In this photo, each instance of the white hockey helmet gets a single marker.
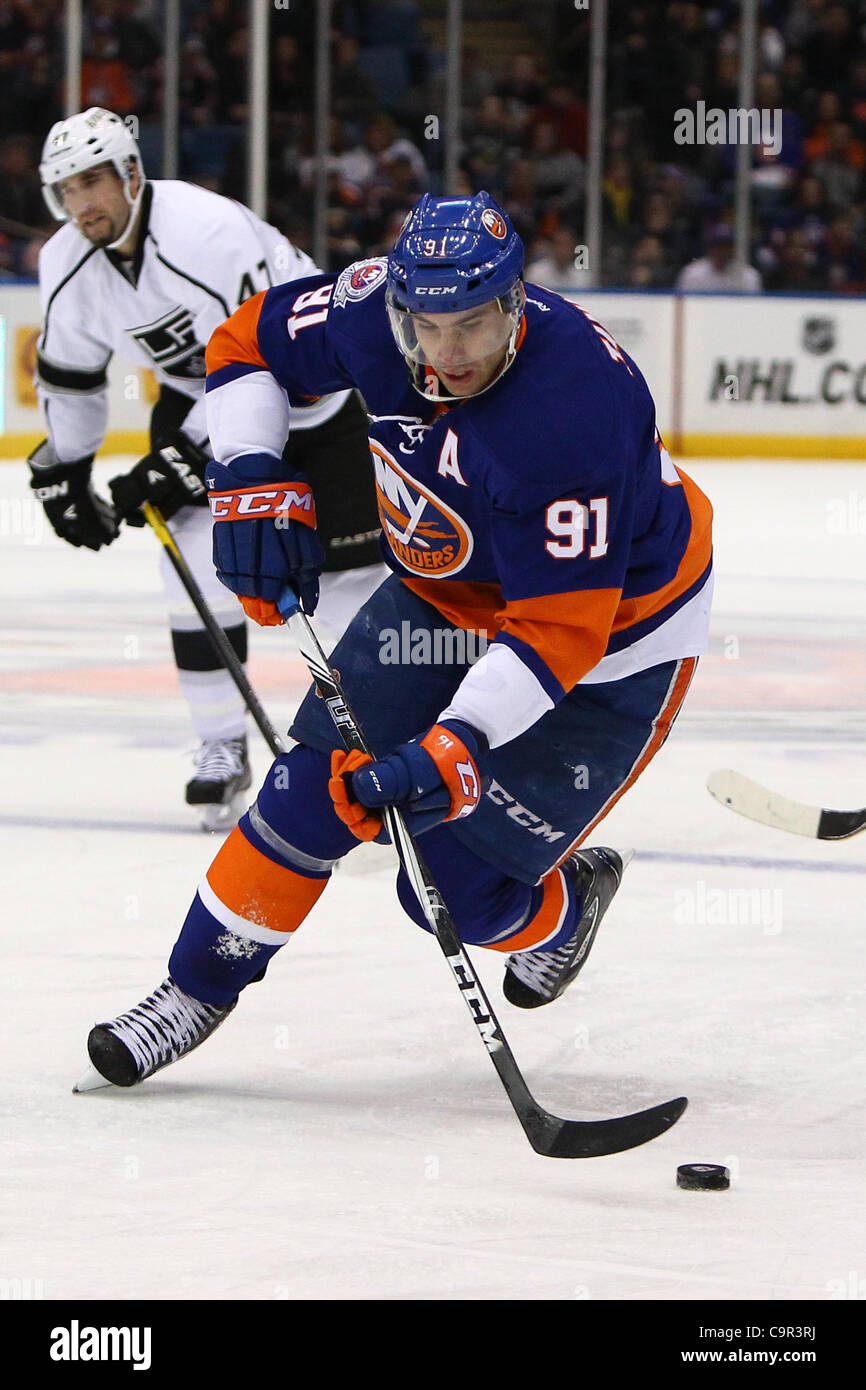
(95, 136)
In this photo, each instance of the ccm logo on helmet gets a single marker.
(494, 223)
(436, 289)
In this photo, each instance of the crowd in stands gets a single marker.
(668, 208)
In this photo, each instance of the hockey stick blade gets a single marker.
(548, 1134)
(556, 1138)
(739, 793)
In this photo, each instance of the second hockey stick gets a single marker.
(547, 1133)
(758, 803)
(223, 647)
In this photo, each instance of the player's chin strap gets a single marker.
(547, 1133)
(134, 205)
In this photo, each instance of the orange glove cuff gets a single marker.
(262, 611)
(363, 823)
(456, 767)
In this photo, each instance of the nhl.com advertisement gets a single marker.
(806, 363)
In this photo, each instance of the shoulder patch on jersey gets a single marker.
(360, 279)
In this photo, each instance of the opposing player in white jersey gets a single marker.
(148, 269)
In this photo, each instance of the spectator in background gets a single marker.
(829, 45)
(231, 66)
(488, 144)
(553, 261)
(841, 168)
(855, 96)
(662, 219)
(521, 198)
(20, 188)
(385, 143)
(353, 93)
(105, 78)
(792, 79)
(619, 194)
(353, 165)
(566, 114)
(522, 90)
(811, 210)
(649, 266)
(291, 86)
(775, 166)
(844, 267)
(199, 84)
(828, 112)
(559, 173)
(476, 82)
(394, 193)
(795, 266)
(717, 270)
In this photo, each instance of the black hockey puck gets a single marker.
(703, 1177)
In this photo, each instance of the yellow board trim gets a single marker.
(784, 446)
(805, 446)
(19, 445)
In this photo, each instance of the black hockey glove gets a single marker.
(77, 513)
(169, 478)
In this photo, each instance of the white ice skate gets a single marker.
(222, 775)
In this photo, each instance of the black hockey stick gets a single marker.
(224, 649)
(758, 803)
(547, 1133)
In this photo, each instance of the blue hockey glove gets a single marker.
(432, 779)
(264, 533)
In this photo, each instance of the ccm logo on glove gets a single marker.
(432, 779)
(293, 500)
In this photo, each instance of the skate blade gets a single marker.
(219, 818)
(90, 1081)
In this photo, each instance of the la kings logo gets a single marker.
(171, 344)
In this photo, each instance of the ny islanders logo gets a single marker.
(427, 537)
(494, 223)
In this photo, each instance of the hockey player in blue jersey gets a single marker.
(526, 499)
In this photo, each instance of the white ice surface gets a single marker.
(344, 1135)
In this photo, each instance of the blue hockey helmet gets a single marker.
(454, 255)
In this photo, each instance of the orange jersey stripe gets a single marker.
(545, 923)
(237, 340)
(463, 603)
(569, 631)
(697, 556)
(258, 890)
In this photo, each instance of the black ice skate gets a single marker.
(222, 773)
(163, 1028)
(533, 978)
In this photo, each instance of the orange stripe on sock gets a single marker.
(546, 921)
(258, 890)
(661, 729)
